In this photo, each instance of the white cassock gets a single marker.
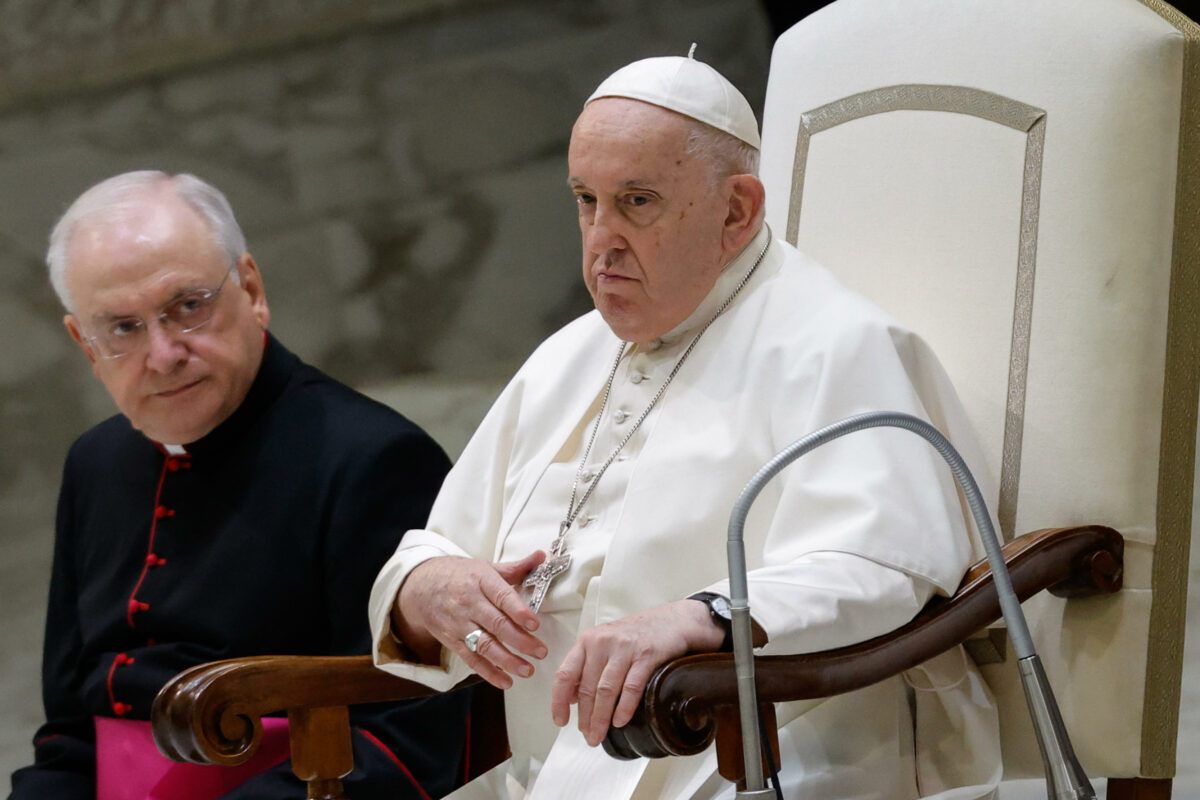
(847, 543)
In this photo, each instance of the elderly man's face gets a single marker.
(179, 386)
(651, 223)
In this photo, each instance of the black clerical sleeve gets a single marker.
(396, 494)
(64, 765)
(402, 750)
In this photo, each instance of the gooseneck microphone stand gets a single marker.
(1065, 778)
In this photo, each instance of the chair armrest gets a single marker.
(685, 697)
(212, 713)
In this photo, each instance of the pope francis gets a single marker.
(579, 542)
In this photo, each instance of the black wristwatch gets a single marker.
(719, 610)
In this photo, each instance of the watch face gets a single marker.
(720, 606)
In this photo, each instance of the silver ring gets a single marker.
(472, 639)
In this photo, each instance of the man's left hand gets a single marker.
(608, 668)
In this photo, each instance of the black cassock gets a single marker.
(264, 539)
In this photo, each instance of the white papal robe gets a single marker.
(847, 543)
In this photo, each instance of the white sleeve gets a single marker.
(835, 599)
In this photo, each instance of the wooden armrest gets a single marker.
(212, 713)
(688, 699)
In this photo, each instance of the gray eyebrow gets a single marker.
(108, 316)
(575, 182)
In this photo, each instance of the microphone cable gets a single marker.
(762, 731)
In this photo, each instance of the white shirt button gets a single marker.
(587, 475)
(653, 345)
(585, 521)
(620, 416)
(637, 377)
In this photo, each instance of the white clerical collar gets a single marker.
(726, 282)
(175, 449)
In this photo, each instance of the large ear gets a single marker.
(746, 198)
(252, 285)
(72, 326)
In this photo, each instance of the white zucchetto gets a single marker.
(688, 87)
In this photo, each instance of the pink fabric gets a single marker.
(129, 766)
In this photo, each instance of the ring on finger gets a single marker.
(472, 639)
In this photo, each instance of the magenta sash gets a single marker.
(129, 766)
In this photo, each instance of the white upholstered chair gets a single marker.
(1019, 181)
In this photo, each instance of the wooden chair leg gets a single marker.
(1139, 789)
(730, 763)
(325, 790)
(321, 749)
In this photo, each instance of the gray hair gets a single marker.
(725, 154)
(110, 199)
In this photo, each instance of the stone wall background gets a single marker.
(399, 167)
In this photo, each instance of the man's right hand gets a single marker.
(445, 598)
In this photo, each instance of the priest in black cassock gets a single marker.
(240, 504)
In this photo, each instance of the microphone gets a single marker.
(1065, 778)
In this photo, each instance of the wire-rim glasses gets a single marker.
(186, 313)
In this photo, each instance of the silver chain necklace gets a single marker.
(537, 582)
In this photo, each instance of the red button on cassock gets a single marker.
(135, 606)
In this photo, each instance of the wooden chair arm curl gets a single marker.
(212, 713)
(692, 700)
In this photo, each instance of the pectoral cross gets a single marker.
(537, 582)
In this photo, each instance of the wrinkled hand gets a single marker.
(610, 664)
(446, 598)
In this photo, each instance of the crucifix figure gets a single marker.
(537, 582)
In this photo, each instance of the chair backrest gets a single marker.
(1019, 181)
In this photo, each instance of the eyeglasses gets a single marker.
(185, 314)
